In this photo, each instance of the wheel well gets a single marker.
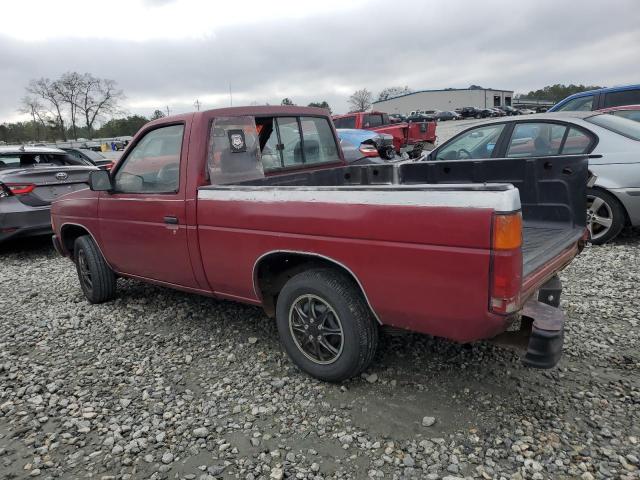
(69, 234)
(274, 270)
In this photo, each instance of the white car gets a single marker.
(613, 143)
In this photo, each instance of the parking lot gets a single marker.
(160, 384)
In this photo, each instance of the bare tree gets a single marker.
(46, 90)
(69, 88)
(97, 98)
(33, 107)
(361, 100)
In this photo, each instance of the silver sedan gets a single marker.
(613, 143)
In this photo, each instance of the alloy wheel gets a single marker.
(316, 329)
(599, 217)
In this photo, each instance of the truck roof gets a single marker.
(262, 110)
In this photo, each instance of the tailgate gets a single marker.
(552, 194)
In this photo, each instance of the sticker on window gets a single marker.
(237, 141)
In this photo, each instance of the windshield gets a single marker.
(616, 124)
(30, 160)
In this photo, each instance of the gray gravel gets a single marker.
(160, 384)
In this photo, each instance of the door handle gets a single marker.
(171, 220)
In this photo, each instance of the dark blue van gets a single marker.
(597, 99)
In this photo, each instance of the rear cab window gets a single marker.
(345, 122)
(246, 148)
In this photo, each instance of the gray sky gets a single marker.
(170, 52)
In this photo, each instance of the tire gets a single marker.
(337, 304)
(608, 218)
(97, 280)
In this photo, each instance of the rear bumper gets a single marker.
(19, 220)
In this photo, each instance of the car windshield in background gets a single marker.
(616, 124)
(30, 160)
(95, 156)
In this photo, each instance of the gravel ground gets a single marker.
(160, 384)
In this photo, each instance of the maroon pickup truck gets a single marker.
(410, 137)
(256, 205)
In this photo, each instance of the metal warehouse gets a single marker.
(446, 99)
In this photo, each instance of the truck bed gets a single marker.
(543, 243)
(552, 192)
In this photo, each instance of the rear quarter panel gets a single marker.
(422, 268)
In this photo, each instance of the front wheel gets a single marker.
(605, 216)
(97, 280)
(325, 325)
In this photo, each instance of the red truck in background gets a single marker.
(256, 205)
(410, 137)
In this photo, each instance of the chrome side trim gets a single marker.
(256, 290)
(450, 195)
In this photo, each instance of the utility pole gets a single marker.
(168, 111)
(197, 104)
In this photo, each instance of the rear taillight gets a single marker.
(506, 263)
(368, 150)
(20, 188)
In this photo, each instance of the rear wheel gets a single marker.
(325, 325)
(97, 280)
(605, 216)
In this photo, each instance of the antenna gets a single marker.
(168, 111)
(230, 96)
(197, 104)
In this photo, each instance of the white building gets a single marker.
(446, 99)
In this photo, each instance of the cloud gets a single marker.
(327, 55)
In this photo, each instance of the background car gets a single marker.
(362, 147)
(509, 110)
(447, 115)
(632, 112)
(599, 99)
(526, 111)
(30, 179)
(95, 146)
(95, 158)
(614, 142)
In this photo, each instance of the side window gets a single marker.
(153, 166)
(535, 140)
(582, 104)
(372, 120)
(346, 122)
(630, 114)
(476, 143)
(625, 97)
(319, 143)
(577, 142)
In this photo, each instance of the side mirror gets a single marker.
(100, 181)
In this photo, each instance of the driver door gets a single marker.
(142, 221)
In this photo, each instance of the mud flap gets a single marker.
(547, 334)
